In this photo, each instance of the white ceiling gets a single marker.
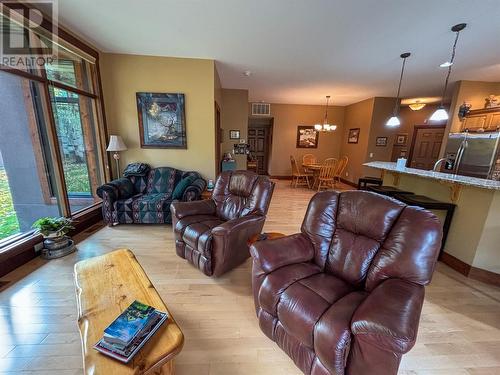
(301, 50)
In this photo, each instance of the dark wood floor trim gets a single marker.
(350, 183)
(281, 177)
(485, 276)
(455, 263)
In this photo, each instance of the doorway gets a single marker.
(425, 146)
(259, 141)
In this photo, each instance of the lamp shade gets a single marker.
(393, 121)
(116, 143)
(439, 115)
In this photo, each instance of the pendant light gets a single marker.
(325, 127)
(440, 114)
(394, 120)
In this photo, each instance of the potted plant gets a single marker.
(54, 231)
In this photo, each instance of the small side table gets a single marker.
(264, 236)
(206, 194)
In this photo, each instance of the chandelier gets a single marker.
(325, 126)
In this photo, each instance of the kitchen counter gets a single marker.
(447, 177)
(472, 243)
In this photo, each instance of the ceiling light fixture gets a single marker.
(325, 127)
(417, 106)
(440, 114)
(394, 120)
(247, 73)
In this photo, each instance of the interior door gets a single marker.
(258, 139)
(425, 147)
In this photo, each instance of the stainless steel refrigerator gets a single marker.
(472, 154)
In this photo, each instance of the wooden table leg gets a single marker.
(167, 369)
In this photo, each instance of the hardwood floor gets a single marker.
(459, 330)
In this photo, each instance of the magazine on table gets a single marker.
(124, 337)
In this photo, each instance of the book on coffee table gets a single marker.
(124, 337)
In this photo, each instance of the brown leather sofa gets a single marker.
(212, 234)
(344, 296)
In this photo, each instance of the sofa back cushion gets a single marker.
(162, 180)
(410, 250)
(241, 193)
(365, 238)
(363, 222)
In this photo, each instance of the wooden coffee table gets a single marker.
(105, 286)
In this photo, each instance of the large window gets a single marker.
(52, 140)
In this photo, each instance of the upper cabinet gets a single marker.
(482, 119)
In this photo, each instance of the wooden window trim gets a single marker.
(22, 245)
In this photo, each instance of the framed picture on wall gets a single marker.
(234, 134)
(353, 135)
(307, 137)
(401, 139)
(162, 121)
(381, 141)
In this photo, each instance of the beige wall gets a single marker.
(124, 75)
(488, 251)
(286, 119)
(234, 117)
(357, 115)
(382, 109)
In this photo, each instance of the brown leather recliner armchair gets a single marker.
(344, 296)
(212, 234)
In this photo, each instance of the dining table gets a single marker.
(314, 168)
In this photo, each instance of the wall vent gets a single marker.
(261, 109)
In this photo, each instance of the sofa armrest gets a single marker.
(280, 252)
(121, 188)
(194, 190)
(388, 318)
(229, 247)
(183, 209)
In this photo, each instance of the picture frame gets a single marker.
(381, 141)
(307, 137)
(353, 136)
(162, 120)
(401, 139)
(234, 134)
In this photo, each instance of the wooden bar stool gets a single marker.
(431, 204)
(390, 191)
(364, 181)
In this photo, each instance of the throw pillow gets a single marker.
(181, 186)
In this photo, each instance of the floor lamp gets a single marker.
(115, 145)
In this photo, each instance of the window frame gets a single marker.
(103, 159)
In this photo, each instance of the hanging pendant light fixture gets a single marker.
(440, 114)
(394, 120)
(325, 126)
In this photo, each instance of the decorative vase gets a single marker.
(57, 247)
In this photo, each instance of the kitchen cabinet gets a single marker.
(482, 119)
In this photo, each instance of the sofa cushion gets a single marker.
(277, 281)
(154, 202)
(304, 302)
(196, 231)
(181, 186)
(162, 180)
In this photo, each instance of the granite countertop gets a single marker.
(463, 180)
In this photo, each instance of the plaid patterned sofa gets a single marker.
(146, 199)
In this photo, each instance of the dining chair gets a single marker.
(298, 177)
(327, 173)
(341, 166)
(308, 159)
